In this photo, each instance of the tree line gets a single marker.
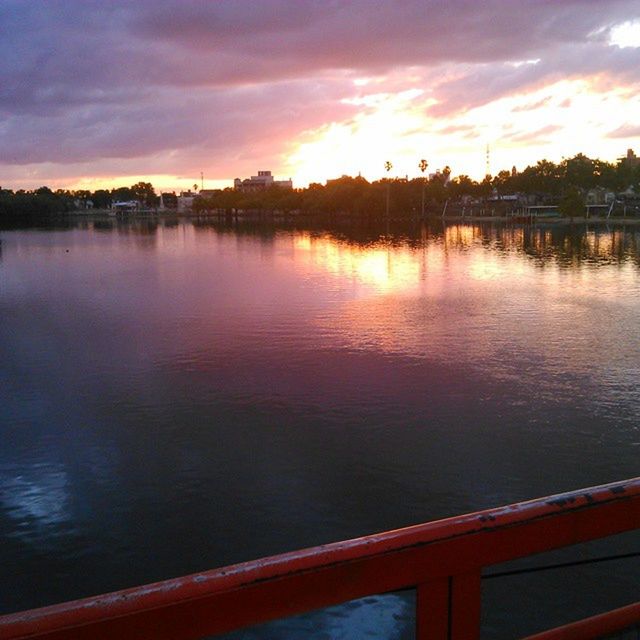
(566, 181)
(558, 183)
(44, 201)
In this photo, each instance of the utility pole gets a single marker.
(201, 180)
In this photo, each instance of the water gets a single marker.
(180, 396)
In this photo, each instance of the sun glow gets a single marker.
(548, 122)
(161, 182)
(362, 145)
(626, 34)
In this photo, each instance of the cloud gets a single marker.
(220, 122)
(485, 83)
(365, 35)
(457, 128)
(626, 131)
(532, 106)
(57, 53)
(85, 81)
(536, 136)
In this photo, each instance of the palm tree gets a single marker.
(422, 165)
(388, 166)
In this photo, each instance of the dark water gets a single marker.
(181, 396)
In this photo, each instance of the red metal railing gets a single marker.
(442, 560)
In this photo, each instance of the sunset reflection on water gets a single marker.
(380, 268)
(169, 387)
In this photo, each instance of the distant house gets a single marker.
(629, 195)
(599, 196)
(185, 200)
(168, 201)
(125, 206)
(503, 197)
(262, 181)
(631, 159)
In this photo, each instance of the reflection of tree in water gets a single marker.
(362, 233)
(143, 232)
(567, 245)
(141, 227)
(563, 244)
(103, 225)
(266, 232)
(61, 223)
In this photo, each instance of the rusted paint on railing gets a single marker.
(430, 555)
(595, 627)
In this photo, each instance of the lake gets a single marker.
(180, 395)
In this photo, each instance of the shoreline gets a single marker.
(582, 221)
(546, 221)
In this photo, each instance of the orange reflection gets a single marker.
(467, 289)
(379, 268)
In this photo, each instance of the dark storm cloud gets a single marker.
(168, 121)
(373, 35)
(84, 80)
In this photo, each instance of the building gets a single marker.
(125, 206)
(262, 181)
(631, 159)
(185, 200)
(599, 196)
(81, 203)
(168, 201)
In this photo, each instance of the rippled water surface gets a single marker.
(180, 396)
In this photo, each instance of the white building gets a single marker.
(125, 206)
(185, 201)
(262, 181)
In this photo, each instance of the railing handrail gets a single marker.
(423, 556)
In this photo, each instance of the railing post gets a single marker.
(449, 608)
(432, 610)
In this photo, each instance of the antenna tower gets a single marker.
(488, 162)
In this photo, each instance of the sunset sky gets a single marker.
(102, 93)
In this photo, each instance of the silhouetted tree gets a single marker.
(101, 199)
(145, 193)
(572, 203)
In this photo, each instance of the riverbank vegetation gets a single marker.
(568, 184)
(45, 202)
(573, 182)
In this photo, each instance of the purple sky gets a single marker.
(104, 92)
